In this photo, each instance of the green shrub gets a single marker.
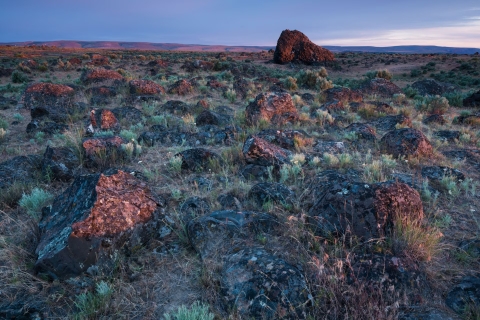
(290, 83)
(231, 95)
(19, 77)
(35, 201)
(309, 78)
(455, 99)
(197, 311)
(385, 74)
(432, 105)
(128, 135)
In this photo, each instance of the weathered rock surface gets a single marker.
(468, 119)
(101, 75)
(47, 127)
(435, 118)
(295, 46)
(103, 119)
(277, 108)
(101, 95)
(128, 115)
(145, 88)
(288, 139)
(213, 118)
(439, 172)
(21, 169)
(343, 94)
(177, 107)
(470, 156)
(388, 123)
(260, 152)
(199, 159)
(102, 152)
(265, 192)
(464, 295)
(473, 100)
(381, 87)
(95, 216)
(181, 87)
(406, 142)
(59, 163)
(362, 130)
(448, 135)
(431, 87)
(340, 204)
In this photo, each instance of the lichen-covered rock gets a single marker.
(464, 295)
(48, 127)
(473, 100)
(103, 119)
(431, 87)
(177, 107)
(212, 118)
(343, 94)
(362, 131)
(254, 172)
(381, 87)
(59, 163)
(101, 75)
(182, 87)
(101, 95)
(339, 204)
(145, 88)
(288, 139)
(439, 172)
(406, 142)
(277, 108)
(102, 152)
(23, 169)
(448, 135)
(470, 156)
(194, 207)
(334, 147)
(295, 46)
(93, 218)
(99, 60)
(265, 192)
(260, 152)
(53, 101)
(435, 118)
(388, 123)
(199, 159)
(128, 115)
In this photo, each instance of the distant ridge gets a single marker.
(221, 48)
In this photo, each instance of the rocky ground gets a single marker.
(136, 182)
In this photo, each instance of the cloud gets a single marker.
(465, 34)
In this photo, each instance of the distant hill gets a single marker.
(221, 48)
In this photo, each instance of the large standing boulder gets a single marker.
(277, 108)
(95, 216)
(340, 204)
(473, 100)
(260, 152)
(406, 142)
(295, 46)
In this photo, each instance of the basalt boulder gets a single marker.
(59, 163)
(145, 88)
(260, 152)
(199, 159)
(103, 152)
(212, 118)
(473, 100)
(435, 118)
(101, 95)
(264, 192)
(447, 135)
(362, 131)
(339, 204)
(182, 87)
(98, 216)
(406, 142)
(388, 123)
(381, 87)
(23, 169)
(295, 46)
(277, 108)
(103, 119)
(288, 139)
(343, 94)
(103, 76)
(465, 295)
(431, 87)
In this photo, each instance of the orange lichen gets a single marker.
(50, 89)
(122, 203)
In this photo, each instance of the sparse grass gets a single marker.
(197, 311)
(93, 305)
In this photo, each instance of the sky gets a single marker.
(244, 22)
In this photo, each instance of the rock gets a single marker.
(260, 152)
(104, 119)
(343, 94)
(381, 87)
(96, 216)
(25, 307)
(388, 123)
(406, 142)
(288, 139)
(194, 207)
(333, 147)
(59, 163)
(103, 152)
(265, 192)
(54, 101)
(470, 156)
(339, 204)
(431, 87)
(6, 103)
(448, 135)
(473, 100)
(439, 172)
(229, 202)
(177, 107)
(464, 295)
(333, 105)
(435, 118)
(169, 138)
(5, 72)
(99, 60)
(22, 169)
(295, 46)
(181, 87)
(215, 84)
(145, 88)
(362, 130)
(254, 172)
(240, 85)
(191, 66)
(100, 75)
(213, 118)
(75, 61)
(128, 115)
(101, 95)
(308, 97)
(277, 108)
(468, 119)
(260, 285)
(199, 159)
(47, 127)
